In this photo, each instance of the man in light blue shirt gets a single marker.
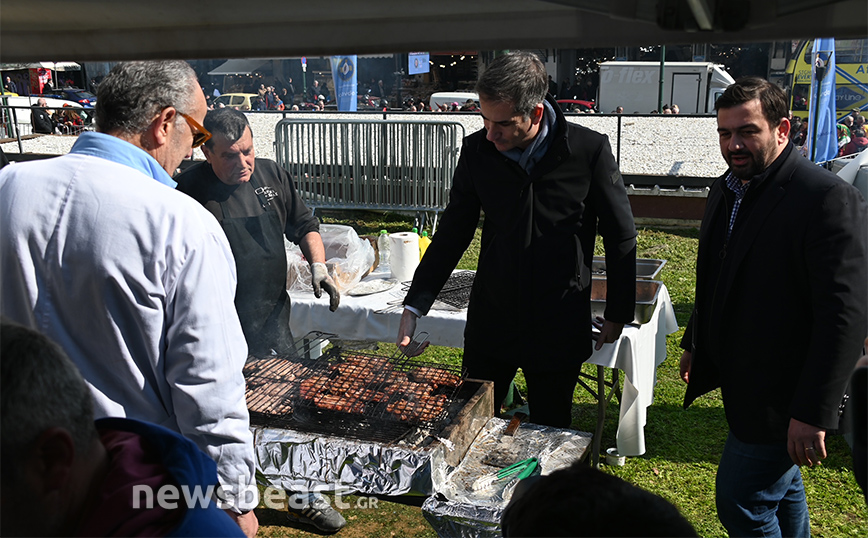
(134, 280)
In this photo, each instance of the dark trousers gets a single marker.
(760, 491)
(549, 394)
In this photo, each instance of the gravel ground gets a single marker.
(650, 145)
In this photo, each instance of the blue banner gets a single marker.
(822, 114)
(346, 82)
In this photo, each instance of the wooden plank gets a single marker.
(470, 420)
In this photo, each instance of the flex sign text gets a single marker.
(630, 75)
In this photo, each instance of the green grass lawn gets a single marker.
(683, 446)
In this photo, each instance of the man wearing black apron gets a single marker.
(257, 205)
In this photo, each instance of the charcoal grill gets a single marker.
(456, 290)
(359, 395)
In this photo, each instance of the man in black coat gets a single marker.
(289, 94)
(313, 92)
(545, 186)
(40, 119)
(780, 312)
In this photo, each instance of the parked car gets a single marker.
(576, 105)
(241, 101)
(82, 97)
(447, 98)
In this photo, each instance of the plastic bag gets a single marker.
(349, 258)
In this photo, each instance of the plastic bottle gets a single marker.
(424, 241)
(383, 247)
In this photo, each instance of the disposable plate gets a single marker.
(368, 287)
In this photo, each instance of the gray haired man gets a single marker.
(40, 118)
(134, 280)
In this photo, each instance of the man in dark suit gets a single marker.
(780, 312)
(40, 119)
(546, 186)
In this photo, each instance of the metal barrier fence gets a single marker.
(15, 121)
(9, 126)
(370, 164)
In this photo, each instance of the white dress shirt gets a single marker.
(136, 282)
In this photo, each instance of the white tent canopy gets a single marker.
(238, 67)
(60, 66)
(54, 66)
(131, 29)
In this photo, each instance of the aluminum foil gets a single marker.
(462, 508)
(299, 461)
(554, 447)
(460, 520)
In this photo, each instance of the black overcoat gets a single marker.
(531, 296)
(780, 311)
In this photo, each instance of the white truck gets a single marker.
(693, 86)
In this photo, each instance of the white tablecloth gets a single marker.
(638, 352)
(357, 317)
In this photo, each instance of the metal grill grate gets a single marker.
(458, 298)
(351, 394)
(456, 290)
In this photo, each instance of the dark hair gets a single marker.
(519, 78)
(583, 501)
(228, 122)
(134, 92)
(40, 388)
(772, 99)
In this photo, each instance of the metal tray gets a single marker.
(647, 293)
(646, 268)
